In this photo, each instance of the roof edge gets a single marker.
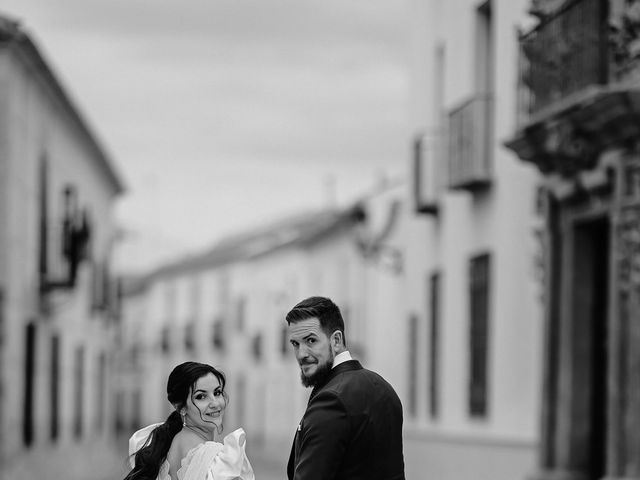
(12, 34)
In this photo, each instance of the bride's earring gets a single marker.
(184, 419)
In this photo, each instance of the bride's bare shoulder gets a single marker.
(180, 446)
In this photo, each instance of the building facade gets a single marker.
(579, 111)
(57, 188)
(227, 307)
(474, 280)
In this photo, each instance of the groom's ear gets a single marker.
(337, 341)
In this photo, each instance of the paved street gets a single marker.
(103, 461)
(269, 463)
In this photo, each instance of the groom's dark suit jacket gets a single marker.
(351, 430)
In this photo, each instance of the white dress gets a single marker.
(206, 461)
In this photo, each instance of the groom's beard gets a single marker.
(321, 374)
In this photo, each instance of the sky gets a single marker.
(223, 115)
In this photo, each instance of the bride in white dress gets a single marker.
(184, 447)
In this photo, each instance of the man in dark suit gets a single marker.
(352, 428)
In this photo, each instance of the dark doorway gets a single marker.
(590, 305)
(28, 429)
(54, 388)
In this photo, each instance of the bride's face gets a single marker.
(206, 403)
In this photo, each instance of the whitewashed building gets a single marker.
(57, 188)
(475, 293)
(227, 307)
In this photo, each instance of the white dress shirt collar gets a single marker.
(341, 358)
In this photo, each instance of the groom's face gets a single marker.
(312, 348)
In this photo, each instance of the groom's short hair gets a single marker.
(322, 308)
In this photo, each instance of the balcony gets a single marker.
(563, 55)
(427, 160)
(576, 92)
(470, 134)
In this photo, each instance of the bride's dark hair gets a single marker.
(181, 381)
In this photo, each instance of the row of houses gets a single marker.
(498, 289)
(227, 306)
(57, 296)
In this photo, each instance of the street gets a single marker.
(106, 462)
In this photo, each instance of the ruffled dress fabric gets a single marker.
(206, 461)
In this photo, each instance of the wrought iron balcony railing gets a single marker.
(567, 52)
(578, 89)
(470, 139)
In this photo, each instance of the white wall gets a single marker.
(35, 124)
(498, 221)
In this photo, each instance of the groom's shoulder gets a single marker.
(365, 380)
(358, 378)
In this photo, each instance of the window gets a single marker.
(241, 308)
(170, 299)
(224, 289)
(479, 288)
(135, 351)
(284, 340)
(256, 346)
(218, 333)
(78, 411)
(241, 393)
(484, 48)
(43, 261)
(425, 158)
(196, 296)
(100, 282)
(434, 343)
(440, 70)
(136, 410)
(119, 422)
(101, 386)
(117, 300)
(190, 337)
(413, 365)
(165, 340)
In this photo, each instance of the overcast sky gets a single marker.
(223, 114)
